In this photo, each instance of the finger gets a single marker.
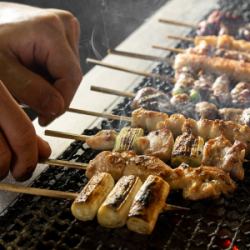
(20, 135)
(65, 68)
(72, 29)
(32, 89)
(5, 157)
(44, 149)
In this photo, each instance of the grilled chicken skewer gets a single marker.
(178, 124)
(235, 70)
(223, 41)
(187, 148)
(205, 49)
(217, 23)
(203, 109)
(196, 183)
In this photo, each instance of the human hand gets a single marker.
(39, 57)
(20, 147)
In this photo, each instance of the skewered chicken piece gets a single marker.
(245, 117)
(235, 70)
(221, 153)
(231, 114)
(206, 110)
(202, 182)
(196, 183)
(151, 97)
(147, 205)
(221, 90)
(241, 94)
(157, 143)
(114, 210)
(103, 140)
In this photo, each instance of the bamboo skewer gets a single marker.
(100, 114)
(14, 188)
(68, 164)
(66, 135)
(112, 91)
(183, 38)
(139, 56)
(132, 71)
(178, 23)
(175, 50)
(37, 191)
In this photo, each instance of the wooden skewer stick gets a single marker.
(100, 114)
(112, 91)
(66, 135)
(183, 38)
(139, 56)
(37, 191)
(68, 164)
(61, 194)
(178, 23)
(175, 50)
(132, 71)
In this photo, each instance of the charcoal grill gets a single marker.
(43, 223)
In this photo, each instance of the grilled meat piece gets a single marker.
(174, 123)
(221, 153)
(103, 140)
(188, 149)
(202, 182)
(158, 143)
(146, 119)
(87, 203)
(203, 85)
(147, 205)
(184, 81)
(206, 110)
(245, 117)
(219, 23)
(127, 163)
(221, 90)
(241, 94)
(151, 97)
(109, 162)
(230, 114)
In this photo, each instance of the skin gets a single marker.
(39, 66)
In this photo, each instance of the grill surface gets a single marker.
(43, 223)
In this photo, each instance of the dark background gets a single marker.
(104, 23)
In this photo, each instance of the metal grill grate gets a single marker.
(43, 223)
